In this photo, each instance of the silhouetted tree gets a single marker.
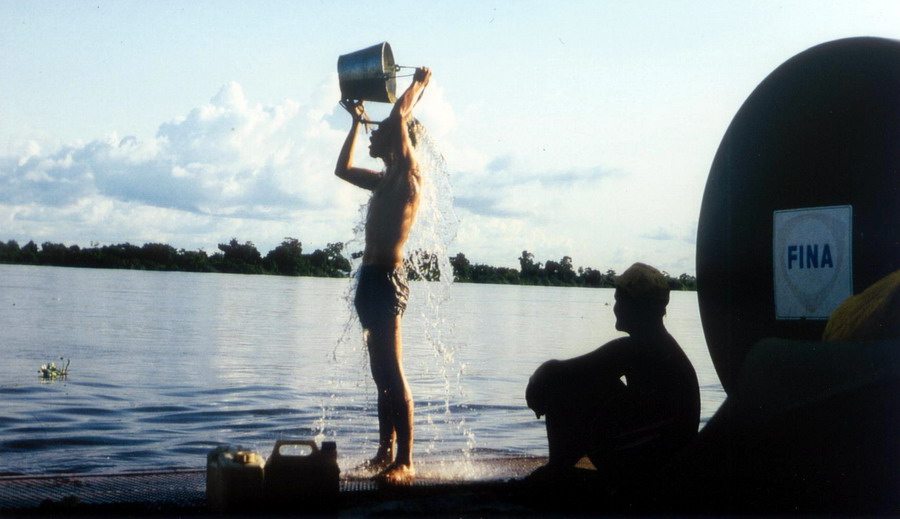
(53, 254)
(194, 261)
(336, 259)
(29, 252)
(158, 256)
(462, 268)
(9, 252)
(591, 278)
(287, 257)
(530, 271)
(609, 279)
(423, 265)
(687, 282)
(241, 258)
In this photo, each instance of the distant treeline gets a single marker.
(288, 259)
(549, 273)
(234, 257)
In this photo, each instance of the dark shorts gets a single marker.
(381, 294)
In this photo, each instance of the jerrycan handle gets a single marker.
(276, 451)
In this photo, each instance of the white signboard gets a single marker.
(813, 255)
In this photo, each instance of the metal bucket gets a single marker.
(368, 74)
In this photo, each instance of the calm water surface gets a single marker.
(164, 366)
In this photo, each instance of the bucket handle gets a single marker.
(276, 451)
(397, 68)
(369, 122)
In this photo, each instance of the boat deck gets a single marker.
(439, 487)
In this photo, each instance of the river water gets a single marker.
(166, 365)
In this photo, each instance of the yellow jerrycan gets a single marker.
(234, 479)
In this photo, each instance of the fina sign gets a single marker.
(813, 255)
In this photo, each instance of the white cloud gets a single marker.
(226, 159)
(235, 168)
(435, 111)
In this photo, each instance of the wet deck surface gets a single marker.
(439, 488)
(154, 490)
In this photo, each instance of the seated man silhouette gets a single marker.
(629, 405)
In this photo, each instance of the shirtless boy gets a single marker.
(382, 289)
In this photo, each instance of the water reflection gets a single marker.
(166, 365)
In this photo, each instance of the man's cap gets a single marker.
(645, 283)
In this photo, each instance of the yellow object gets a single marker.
(871, 315)
(234, 480)
(645, 283)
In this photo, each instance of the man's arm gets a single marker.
(603, 366)
(361, 177)
(401, 113)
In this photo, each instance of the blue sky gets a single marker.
(584, 129)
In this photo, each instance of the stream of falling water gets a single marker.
(428, 252)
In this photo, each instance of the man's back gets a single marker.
(663, 395)
(663, 380)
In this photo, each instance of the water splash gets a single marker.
(431, 276)
(429, 258)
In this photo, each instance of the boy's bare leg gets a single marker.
(376, 343)
(395, 404)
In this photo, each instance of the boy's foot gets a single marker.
(375, 465)
(397, 474)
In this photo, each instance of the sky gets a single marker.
(580, 129)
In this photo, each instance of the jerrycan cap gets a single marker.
(247, 458)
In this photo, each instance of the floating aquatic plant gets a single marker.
(51, 371)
